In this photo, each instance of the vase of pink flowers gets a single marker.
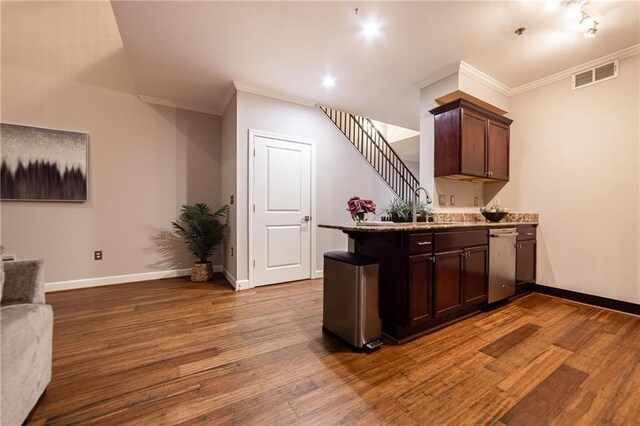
(359, 208)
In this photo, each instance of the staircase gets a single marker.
(364, 136)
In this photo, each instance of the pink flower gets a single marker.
(356, 205)
(353, 205)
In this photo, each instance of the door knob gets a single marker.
(306, 218)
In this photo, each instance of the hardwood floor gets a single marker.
(173, 352)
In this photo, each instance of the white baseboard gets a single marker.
(243, 285)
(120, 279)
(237, 284)
(318, 274)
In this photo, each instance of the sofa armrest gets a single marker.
(23, 282)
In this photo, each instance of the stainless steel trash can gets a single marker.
(350, 300)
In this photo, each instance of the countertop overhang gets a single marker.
(424, 226)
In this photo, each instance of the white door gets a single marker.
(281, 230)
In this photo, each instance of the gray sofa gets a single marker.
(26, 326)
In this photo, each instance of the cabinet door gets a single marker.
(474, 147)
(475, 278)
(497, 151)
(448, 282)
(526, 262)
(420, 284)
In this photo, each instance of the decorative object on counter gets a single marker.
(401, 211)
(494, 213)
(203, 232)
(359, 208)
(43, 164)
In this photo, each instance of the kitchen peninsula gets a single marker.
(435, 273)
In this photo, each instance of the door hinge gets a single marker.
(254, 152)
(254, 263)
(433, 259)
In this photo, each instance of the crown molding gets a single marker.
(439, 75)
(247, 88)
(232, 92)
(477, 75)
(620, 54)
(178, 105)
(483, 78)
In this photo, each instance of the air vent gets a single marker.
(595, 75)
(582, 79)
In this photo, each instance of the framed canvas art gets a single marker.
(42, 164)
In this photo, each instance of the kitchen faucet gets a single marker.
(416, 197)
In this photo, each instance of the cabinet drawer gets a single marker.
(450, 240)
(526, 233)
(420, 243)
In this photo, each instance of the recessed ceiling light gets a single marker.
(328, 81)
(371, 29)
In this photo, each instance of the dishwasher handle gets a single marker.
(511, 235)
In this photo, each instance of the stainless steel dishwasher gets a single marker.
(350, 301)
(502, 263)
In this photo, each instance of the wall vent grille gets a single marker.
(595, 75)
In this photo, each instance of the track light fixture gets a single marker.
(575, 9)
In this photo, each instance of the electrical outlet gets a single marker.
(442, 200)
(97, 255)
(231, 200)
(452, 200)
(475, 201)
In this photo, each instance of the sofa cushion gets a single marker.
(26, 334)
(24, 282)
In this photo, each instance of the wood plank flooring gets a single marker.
(173, 352)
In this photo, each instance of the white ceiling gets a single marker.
(190, 52)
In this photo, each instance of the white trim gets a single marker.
(477, 75)
(439, 75)
(483, 78)
(178, 105)
(295, 139)
(243, 87)
(620, 54)
(225, 105)
(243, 285)
(235, 283)
(319, 274)
(120, 279)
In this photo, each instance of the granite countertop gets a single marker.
(443, 221)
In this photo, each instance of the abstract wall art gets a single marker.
(42, 164)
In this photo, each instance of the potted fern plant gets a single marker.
(203, 232)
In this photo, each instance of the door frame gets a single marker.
(253, 133)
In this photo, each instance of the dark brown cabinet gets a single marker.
(470, 142)
(432, 277)
(525, 258)
(420, 288)
(447, 282)
(476, 268)
(526, 262)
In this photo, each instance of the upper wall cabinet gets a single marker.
(471, 143)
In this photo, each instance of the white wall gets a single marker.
(229, 181)
(575, 159)
(341, 171)
(63, 67)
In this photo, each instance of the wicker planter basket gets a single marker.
(202, 272)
